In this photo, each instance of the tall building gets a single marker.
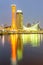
(13, 25)
(19, 19)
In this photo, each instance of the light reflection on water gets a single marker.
(21, 49)
(13, 48)
(3, 40)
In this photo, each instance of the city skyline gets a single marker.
(32, 11)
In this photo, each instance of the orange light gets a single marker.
(14, 46)
(13, 26)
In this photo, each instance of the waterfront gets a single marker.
(29, 49)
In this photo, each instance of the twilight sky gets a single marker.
(32, 10)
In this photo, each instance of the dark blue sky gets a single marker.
(32, 10)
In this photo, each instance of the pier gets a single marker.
(21, 32)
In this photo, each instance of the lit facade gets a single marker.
(32, 28)
(13, 25)
(19, 19)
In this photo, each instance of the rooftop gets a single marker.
(13, 5)
(19, 11)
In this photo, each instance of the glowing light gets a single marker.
(33, 39)
(34, 27)
(17, 47)
(3, 40)
(13, 26)
(14, 46)
(19, 11)
(26, 38)
(19, 54)
(20, 47)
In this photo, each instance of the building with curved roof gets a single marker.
(32, 28)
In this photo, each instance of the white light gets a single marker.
(19, 10)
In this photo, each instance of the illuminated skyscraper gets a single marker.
(13, 25)
(19, 19)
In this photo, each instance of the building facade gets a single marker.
(19, 19)
(13, 24)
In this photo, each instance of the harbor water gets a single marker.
(21, 49)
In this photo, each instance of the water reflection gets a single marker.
(23, 46)
(32, 39)
(3, 40)
(13, 48)
(17, 42)
(20, 47)
(17, 48)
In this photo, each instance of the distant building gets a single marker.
(35, 27)
(1, 27)
(28, 25)
(19, 19)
